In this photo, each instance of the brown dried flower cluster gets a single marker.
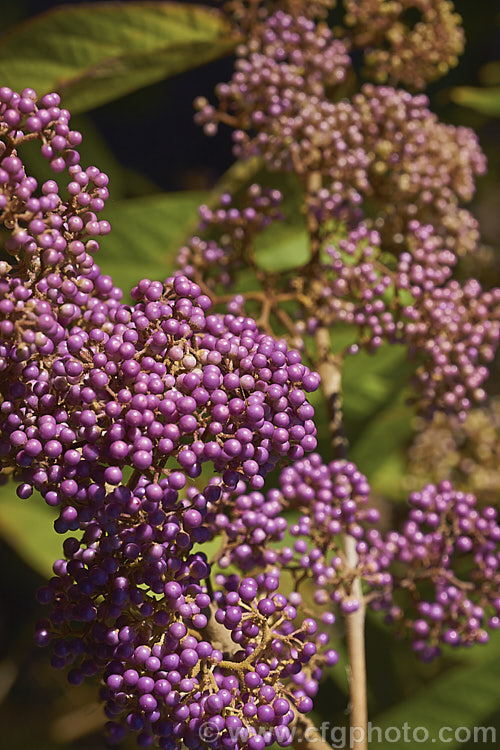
(467, 452)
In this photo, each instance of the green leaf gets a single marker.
(486, 101)
(146, 234)
(371, 382)
(378, 421)
(285, 244)
(282, 247)
(463, 697)
(92, 54)
(28, 527)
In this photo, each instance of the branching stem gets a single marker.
(329, 367)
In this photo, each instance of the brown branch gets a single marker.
(314, 182)
(355, 630)
(250, 660)
(331, 382)
(216, 634)
(328, 367)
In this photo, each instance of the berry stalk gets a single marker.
(331, 383)
(355, 631)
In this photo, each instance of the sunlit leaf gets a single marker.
(92, 54)
(464, 697)
(378, 421)
(28, 527)
(146, 234)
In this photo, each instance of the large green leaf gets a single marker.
(486, 101)
(463, 697)
(92, 54)
(28, 527)
(378, 420)
(146, 234)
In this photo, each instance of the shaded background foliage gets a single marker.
(137, 125)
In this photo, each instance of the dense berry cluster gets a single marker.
(179, 664)
(451, 329)
(326, 501)
(420, 169)
(250, 525)
(382, 152)
(396, 50)
(45, 228)
(110, 410)
(277, 102)
(457, 329)
(349, 287)
(156, 383)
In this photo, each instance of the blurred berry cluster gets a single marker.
(152, 427)
(450, 329)
(384, 182)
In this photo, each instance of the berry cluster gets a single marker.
(413, 55)
(44, 228)
(277, 102)
(326, 501)
(174, 658)
(436, 579)
(446, 559)
(250, 525)
(156, 383)
(333, 503)
(217, 259)
(350, 288)
(452, 330)
(110, 411)
(419, 168)
(382, 153)
(457, 329)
